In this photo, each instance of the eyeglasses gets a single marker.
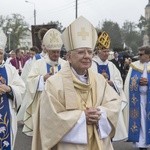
(140, 54)
(83, 52)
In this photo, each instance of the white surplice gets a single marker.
(18, 88)
(35, 86)
(115, 77)
(143, 96)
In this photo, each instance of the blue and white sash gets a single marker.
(5, 133)
(49, 67)
(103, 68)
(135, 109)
(37, 56)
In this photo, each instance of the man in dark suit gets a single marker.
(118, 63)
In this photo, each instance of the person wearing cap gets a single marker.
(72, 109)
(11, 89)
(103, 66)
(40, 71)
(137, 90)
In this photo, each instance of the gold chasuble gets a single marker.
(64, 100)
(86, 97)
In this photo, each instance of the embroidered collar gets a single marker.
(49, 61)
(99, 61)
(140, 66)
(82, 78)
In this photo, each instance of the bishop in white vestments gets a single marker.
(41, 70)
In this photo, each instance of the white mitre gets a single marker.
(52, 39)
(81, 33)
(3, 40)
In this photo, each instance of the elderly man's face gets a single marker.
(103, 54)
(53, 54)
(1, 56)
(80, 59)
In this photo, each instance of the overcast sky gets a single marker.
(64, 10)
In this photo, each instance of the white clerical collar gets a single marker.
(82, 78)
(42, 54)
(99, 61)
(49, 61)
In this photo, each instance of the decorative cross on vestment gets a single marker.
(83, 34)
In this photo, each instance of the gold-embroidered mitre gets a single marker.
(80, 33)
(52, 40)
(103, 41)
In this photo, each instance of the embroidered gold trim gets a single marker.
(134, 127)
(134, 114)
(134, 84)
(140, 70)
(134, 100)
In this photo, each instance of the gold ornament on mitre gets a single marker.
(52, 40)
(103, 41)
(79, 34)
(3, 40)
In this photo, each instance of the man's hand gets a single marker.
(92, 115)
(110, 82)
(143, 81)
(4, 89)
(47, 76)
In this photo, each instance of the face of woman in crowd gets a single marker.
(80, 59)
(1, 56)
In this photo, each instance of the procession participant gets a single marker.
(119, 63)
(12, 55)
(19, 61)
(102, 65)
(138, 94)
(41, 70)
(27, 67)
(73, 114)
(25, 71)
(11, 89)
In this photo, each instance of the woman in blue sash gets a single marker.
(137, 89)
(11, 89)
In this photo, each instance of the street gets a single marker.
(23, 142)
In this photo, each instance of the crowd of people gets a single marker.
(84, 102)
